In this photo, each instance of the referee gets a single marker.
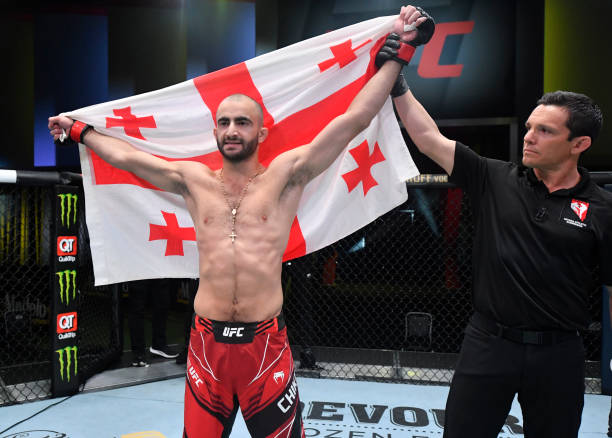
(541, 230)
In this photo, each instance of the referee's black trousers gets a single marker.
(549, 381)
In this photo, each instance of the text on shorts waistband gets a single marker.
(237, 332)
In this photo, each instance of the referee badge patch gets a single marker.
(578, 214)
(580, 208)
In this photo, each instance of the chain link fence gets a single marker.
(26, 287)
(390, 302)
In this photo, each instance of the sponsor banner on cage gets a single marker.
(65, 287)
(301, 88)
(66, 360)
(66, 325)
(66, 248)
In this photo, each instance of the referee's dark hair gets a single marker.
(585, 117)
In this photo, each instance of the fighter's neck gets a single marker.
(243, 169)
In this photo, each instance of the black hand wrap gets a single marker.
(401, 51)
(400, 87)
(395, 49)
(425, 30)
(388, 50)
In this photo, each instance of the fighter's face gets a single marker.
(238, 130)
(546, 145)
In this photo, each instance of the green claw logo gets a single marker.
(67, 284)
(68, 205)
(69, 352)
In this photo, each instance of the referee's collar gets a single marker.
(584, 181)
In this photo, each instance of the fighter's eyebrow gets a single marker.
(236, 119)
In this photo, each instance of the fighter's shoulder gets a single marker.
(285, 173)
(283, 163)
(191, 166)
(193, 172)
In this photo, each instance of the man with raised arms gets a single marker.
(239, 353)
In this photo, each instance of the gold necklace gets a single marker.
(234, 209)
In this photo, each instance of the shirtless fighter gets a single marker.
(239, 354)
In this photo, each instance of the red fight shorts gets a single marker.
(250, 365)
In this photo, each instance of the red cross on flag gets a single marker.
(138, 231)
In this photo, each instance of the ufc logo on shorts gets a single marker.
(66, 322)
(194, 376)
(228, 332)
(66, 245)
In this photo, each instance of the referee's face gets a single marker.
(546, 145)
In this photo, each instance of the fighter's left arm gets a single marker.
(312, 159)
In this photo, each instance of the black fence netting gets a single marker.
(391, 301)
(27, 323)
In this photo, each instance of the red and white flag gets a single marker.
(138, 231)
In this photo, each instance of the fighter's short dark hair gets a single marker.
(584, 116)
(239, 96)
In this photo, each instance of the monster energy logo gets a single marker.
(69, 352)
(67, 284)
(68, 206)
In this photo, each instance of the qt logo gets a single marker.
(67, 322)
(66, 245)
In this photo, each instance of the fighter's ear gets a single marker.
(263, 134)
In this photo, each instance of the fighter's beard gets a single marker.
(248, 149)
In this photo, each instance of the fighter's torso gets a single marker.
(240, 276)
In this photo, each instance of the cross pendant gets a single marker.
(233, 236)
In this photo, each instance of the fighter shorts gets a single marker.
(232, 364)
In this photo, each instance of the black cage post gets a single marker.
(65, 287)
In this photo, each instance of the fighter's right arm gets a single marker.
(424, 132)
(164, 174)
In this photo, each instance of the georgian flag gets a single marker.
(138, 231)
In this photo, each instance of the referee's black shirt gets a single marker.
(535, 252)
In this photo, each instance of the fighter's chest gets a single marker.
(254, 211)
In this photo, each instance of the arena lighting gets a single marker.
(358, 246)
(410, 211)
(423, 205)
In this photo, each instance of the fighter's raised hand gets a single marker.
(58, 125)
(414, 25)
